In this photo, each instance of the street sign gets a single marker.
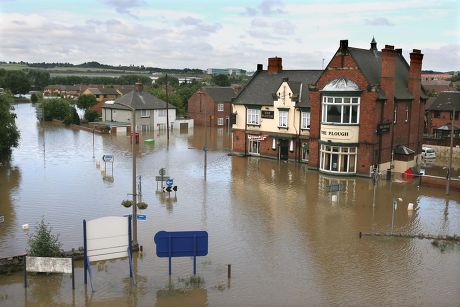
(175, 188)
(169, 182)
(2, 219)
(107, 158)
(161, 178)
(162, 172)
(141, 217)
(383, 128)
(181, 244)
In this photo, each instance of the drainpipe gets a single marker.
(245, 130)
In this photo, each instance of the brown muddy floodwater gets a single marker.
(288, 242)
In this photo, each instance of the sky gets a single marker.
(225, 34)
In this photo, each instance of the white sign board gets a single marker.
(107, 238)
(49, 265)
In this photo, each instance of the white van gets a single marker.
(428, 153)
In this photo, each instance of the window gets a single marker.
(338, 159)
(145, 113)
(283, 119)
(220, 121)
(161, 113)
(145, 128)
(254, 146)
(305, 120)
(253, 116)
(407, 114)
(220, 107)
(340, 110)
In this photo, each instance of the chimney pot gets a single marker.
(260, 67)
(399, 50)
(344, 45)
(138, 86)
(390, 47)
(416, 51)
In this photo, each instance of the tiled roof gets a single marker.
(370, 63)
(139, 101)
(103, 91)
(446, 101)
(220, 94)
(263, 85)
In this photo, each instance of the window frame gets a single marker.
(220, 121)
(220, 107)
(305, 119)
(283, 119)
(253, 117)
(145, 113)
(347, 106)
(344, 156)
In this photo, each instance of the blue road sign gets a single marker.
(169, 182)
(181, 244)
(141, 217)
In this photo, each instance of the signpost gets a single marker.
(141, 217)
(169, 182)
(181, 244)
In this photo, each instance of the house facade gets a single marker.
(272, 113)
(367, 112)
(211, 104)
(151, 113)
(439, 113)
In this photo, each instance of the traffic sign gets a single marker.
(107, 158)
(169, 182)
(161, 178)
(162, 172)
(141, 217)
(175, 188)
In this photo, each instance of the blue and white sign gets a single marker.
(141, 217)
(169, 182)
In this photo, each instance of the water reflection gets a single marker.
(288, 239)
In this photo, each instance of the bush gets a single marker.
(43, 243)
(56, 109)
(91, 115)
(72, 118)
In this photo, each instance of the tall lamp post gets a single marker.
(134, 194)
(205, 147)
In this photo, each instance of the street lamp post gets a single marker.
(205, 147)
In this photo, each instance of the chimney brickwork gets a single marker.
(275, 65)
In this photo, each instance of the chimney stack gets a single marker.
(387, 78)
(344, 46)
(138, 86)
(275, 65)
(415, 73)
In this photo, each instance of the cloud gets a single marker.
(265, 8)
(196, 26)
(378, 21)
(444, 58)
(125, 6)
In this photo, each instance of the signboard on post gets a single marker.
(141, 217)
(107, 238)
(49, 265)
(107, 158)
(181, 244)
(169, 182)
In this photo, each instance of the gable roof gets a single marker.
(139, 101)
(103, 91)
(446, 101)
(260, 89)
(370, 63)
(220, 93)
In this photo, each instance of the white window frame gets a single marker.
(220, 107)
(220, 121)
(253, 117)
(162, 113)
(283, 117)
(342, 103)
(145, 113)
(347, 157)
(305, 119)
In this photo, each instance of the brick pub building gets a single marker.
(367, 110)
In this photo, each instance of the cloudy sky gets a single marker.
(224, 33)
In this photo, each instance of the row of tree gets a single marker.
(9, 133)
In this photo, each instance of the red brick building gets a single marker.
(439, 113)
(213, 103)
(367, 110)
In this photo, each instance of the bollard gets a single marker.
(360, 234)
(229, 271)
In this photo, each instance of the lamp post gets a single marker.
(205, 147)
(134, 194)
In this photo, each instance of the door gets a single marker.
(284, 149)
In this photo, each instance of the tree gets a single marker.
(86, 101)
(55, 109)
(17, 82)
(221, 80)
(91, 115)
(34, 98)
(72, 117)
(9, 133)
(39, 78)
(172, 81)
(43, 243)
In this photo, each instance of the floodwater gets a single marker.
(289, 241)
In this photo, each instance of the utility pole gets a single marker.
(450, 154)
(205, 147)
(133, 112)
(167, 110)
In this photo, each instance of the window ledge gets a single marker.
(253, 125)
(285, 128)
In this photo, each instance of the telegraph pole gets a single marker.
(450, 154)
(167, 110)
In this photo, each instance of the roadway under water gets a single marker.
(288, 241)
